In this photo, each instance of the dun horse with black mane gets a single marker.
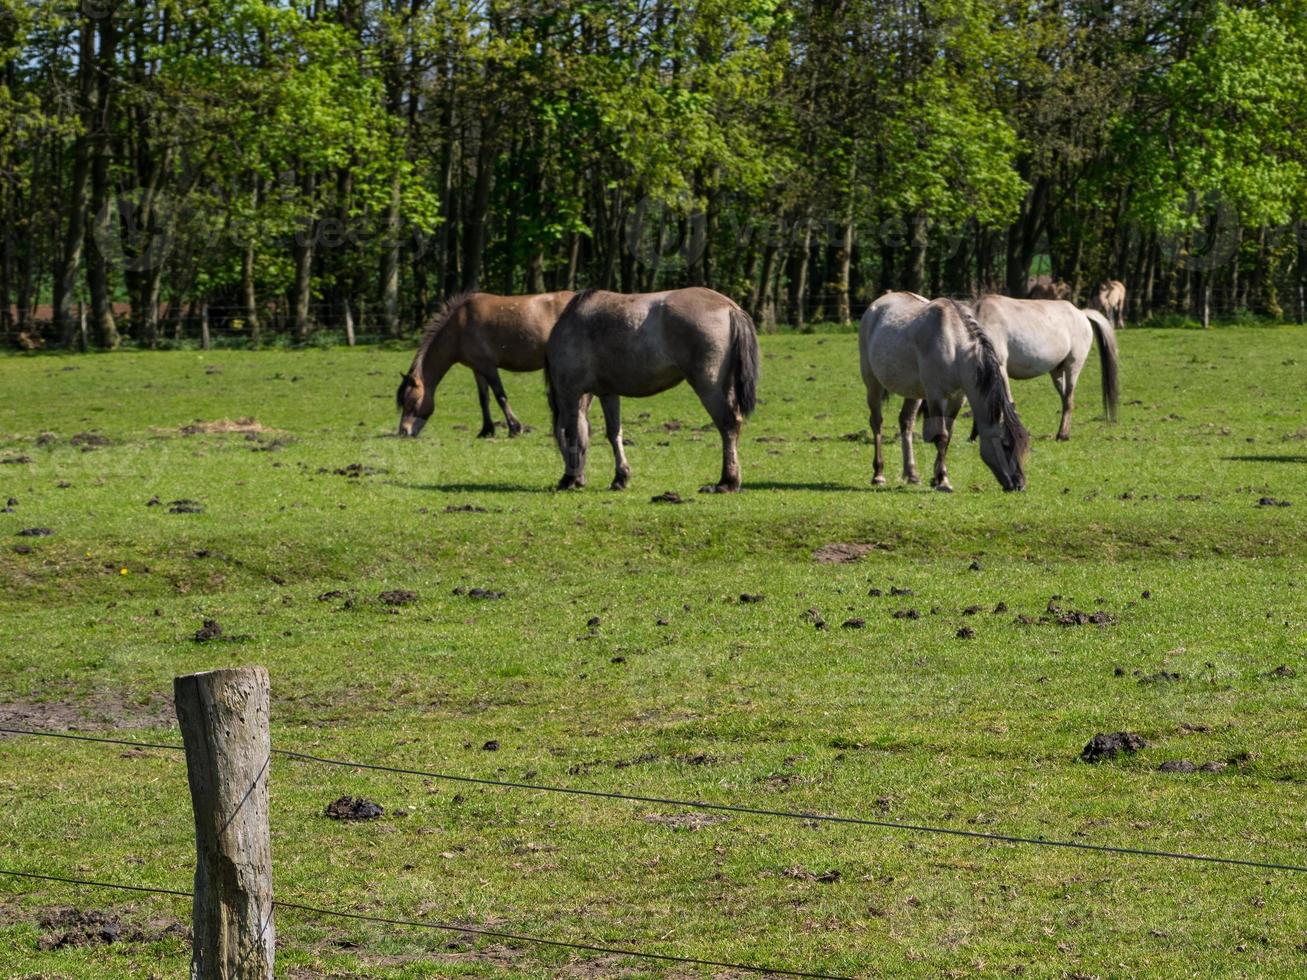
(486, 333)
(609, 345)
(937, 353)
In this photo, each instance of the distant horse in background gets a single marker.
(1108, 298)
(613, 344)
(486, 333)
(936, 352)
(1033, 337)
(1057, 289)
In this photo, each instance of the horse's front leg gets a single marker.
(612, 406)
(573, 437)
(908, 422)
(936, 430)
(483, 393)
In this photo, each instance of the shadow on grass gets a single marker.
(801, 485)
(477, 487)
(1270, 458)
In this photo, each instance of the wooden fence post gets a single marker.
(224, 723)
(204, 327)
(349, 325)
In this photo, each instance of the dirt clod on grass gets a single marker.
(1102, 746)
(354, 808)
(856, 623)
(841, 553)
(750, 598)
(465, 509)
(480, 593)
(91, 440)
(35, 532)
(1284, 670)
(670, 497)
(685, 821)
(1161, 677)
(185, 506)
(906, 614)
(491, 746)
(966, 633)
(1272, 502)
(354, 471)
(211, 630)
(398, 597)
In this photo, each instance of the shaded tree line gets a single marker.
(294, 166)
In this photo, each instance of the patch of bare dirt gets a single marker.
(64, 928)
(841, 553)
(245, 424)
(685, 821)
(101, 714)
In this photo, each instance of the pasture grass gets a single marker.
(1155, 520)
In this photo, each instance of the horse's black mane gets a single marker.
(438, 321)
(577, 300)
(993, 388)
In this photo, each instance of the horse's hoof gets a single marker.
(617, 485)
(943, 488)
(570, 483)
(878, 480)
(514, 431)
(486, 433)
(911, 478)
(1064, 437)
(720, 488)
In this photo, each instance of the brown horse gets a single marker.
(1109, 299)
(486, 333)
(1057, 289)
(613, 344)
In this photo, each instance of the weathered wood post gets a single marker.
(224, 722)
(349, 325)
(204, 327)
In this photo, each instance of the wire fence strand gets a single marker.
(447, 927)
(916, 828)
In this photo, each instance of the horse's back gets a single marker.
(1033, 336)
(640, 344)
(508, 332)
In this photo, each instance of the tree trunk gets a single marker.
(915, 278)
(101, 227)
(474, 224)
(70, 261)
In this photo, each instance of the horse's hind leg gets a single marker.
(497, 386)
(612, 406)
(875, 402)
(483, 392)
(908, 422)
(728, 422)
(936, 430)
(573, 437)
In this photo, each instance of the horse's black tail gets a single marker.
(744, 354)
(553, 398)
(1107, 356)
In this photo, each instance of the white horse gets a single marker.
(937, 353)
(1108, 298)
(1033, 337)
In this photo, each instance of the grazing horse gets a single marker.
(1057, 289)
(937, 353)
(1109, 299)
(614, 344)
(486, 333)
(1037, 336)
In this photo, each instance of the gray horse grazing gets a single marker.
(937, 353)
(1036, 336)
(613, 344)
(1108, 298)
(485, 332)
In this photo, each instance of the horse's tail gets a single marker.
(1107, 356)
(744, 355)
(552, 396)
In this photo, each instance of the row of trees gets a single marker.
(294, 163)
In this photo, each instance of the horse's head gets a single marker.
(415, 405)
(1004, 443)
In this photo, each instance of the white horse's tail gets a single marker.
(1107, 355)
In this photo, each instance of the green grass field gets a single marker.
(681, 690)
